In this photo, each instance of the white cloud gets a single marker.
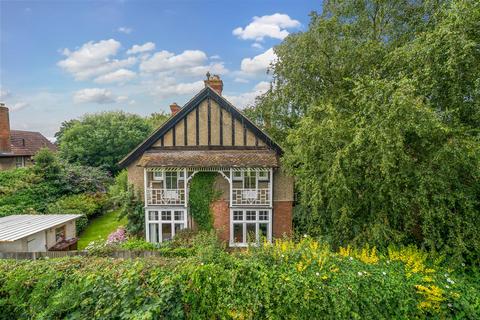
(257, 45)
(241, 80)
(171, 89)
(94, 59)
(273, 26)
(122, 98)
(189, 62)
(121, 75)
(149, 46)
(248, 98)
(94, 95)
(166, 61)
(215, 57)
(18, 106)
(4, 93)
(259, 63)
(125, 30)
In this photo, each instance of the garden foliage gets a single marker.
(51, 183)
(378, 107)
(284, 280)
(201, 194)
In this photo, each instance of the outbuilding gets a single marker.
(38, 233)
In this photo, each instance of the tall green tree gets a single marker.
(102, 139)
(378, 107)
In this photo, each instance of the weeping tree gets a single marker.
(377, 104)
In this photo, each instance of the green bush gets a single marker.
(35, 189)
(286, 280)
(89, 205)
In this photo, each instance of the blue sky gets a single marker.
(61, 59)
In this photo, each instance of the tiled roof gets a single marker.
(210, 158)
(27, 143)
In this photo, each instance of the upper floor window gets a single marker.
(250, 178)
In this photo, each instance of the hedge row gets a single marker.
(286, 280)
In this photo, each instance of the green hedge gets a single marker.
(282, 281)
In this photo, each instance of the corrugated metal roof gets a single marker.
(16, 227)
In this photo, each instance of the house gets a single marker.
(210, 135)
(38, 233)
(17, 147)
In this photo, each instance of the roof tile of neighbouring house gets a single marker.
(27, 143)
(16, 227)
(211, 158)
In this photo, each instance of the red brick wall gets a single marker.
(221, 219)
(4, 130)
(282, 218)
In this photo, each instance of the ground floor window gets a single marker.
(19, 162)
(163, 224)
(250, 226)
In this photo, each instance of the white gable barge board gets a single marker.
(16, 227)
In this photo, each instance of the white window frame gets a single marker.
(258, 177)
(244, 223)
(157, 175)
(160, 221)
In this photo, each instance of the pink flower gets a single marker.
(118, 236)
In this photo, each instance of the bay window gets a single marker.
(250, 226)
(164, 224)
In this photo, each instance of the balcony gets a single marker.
(158, 197)
(251, 197)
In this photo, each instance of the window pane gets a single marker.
(153, 230)
(251, 232)
(178, 227)
(179, 215)
(238, 215)
(263, 230)
(166, 215)
(153, 215)
(166, 231)
(263, 215)
(171, 180)
(251, 215)
(238, 232)
(249, 180)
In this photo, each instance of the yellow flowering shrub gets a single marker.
(365, 255)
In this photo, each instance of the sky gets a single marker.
(62, 59)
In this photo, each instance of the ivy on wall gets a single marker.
(201, 195)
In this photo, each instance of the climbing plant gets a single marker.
(201, 195)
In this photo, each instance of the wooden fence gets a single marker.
(61, 254)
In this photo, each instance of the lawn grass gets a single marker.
(100, 227)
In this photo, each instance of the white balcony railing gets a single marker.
(251, 197)
(165, 196)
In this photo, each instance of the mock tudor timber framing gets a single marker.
(209, 94)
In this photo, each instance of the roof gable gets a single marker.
(205, 94)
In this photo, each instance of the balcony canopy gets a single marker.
(210, 158)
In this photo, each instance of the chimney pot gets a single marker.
(174, 108)
(214, 82)
(5, 140)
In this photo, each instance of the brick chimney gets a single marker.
(214, 82)
(174, 108)
(5, 142)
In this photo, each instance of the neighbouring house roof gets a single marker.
(28, 143)
(205, 93)
(211, 158)
(16, 227)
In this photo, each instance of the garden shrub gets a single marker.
(34, 189)
(88, 205)
(283, 280)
